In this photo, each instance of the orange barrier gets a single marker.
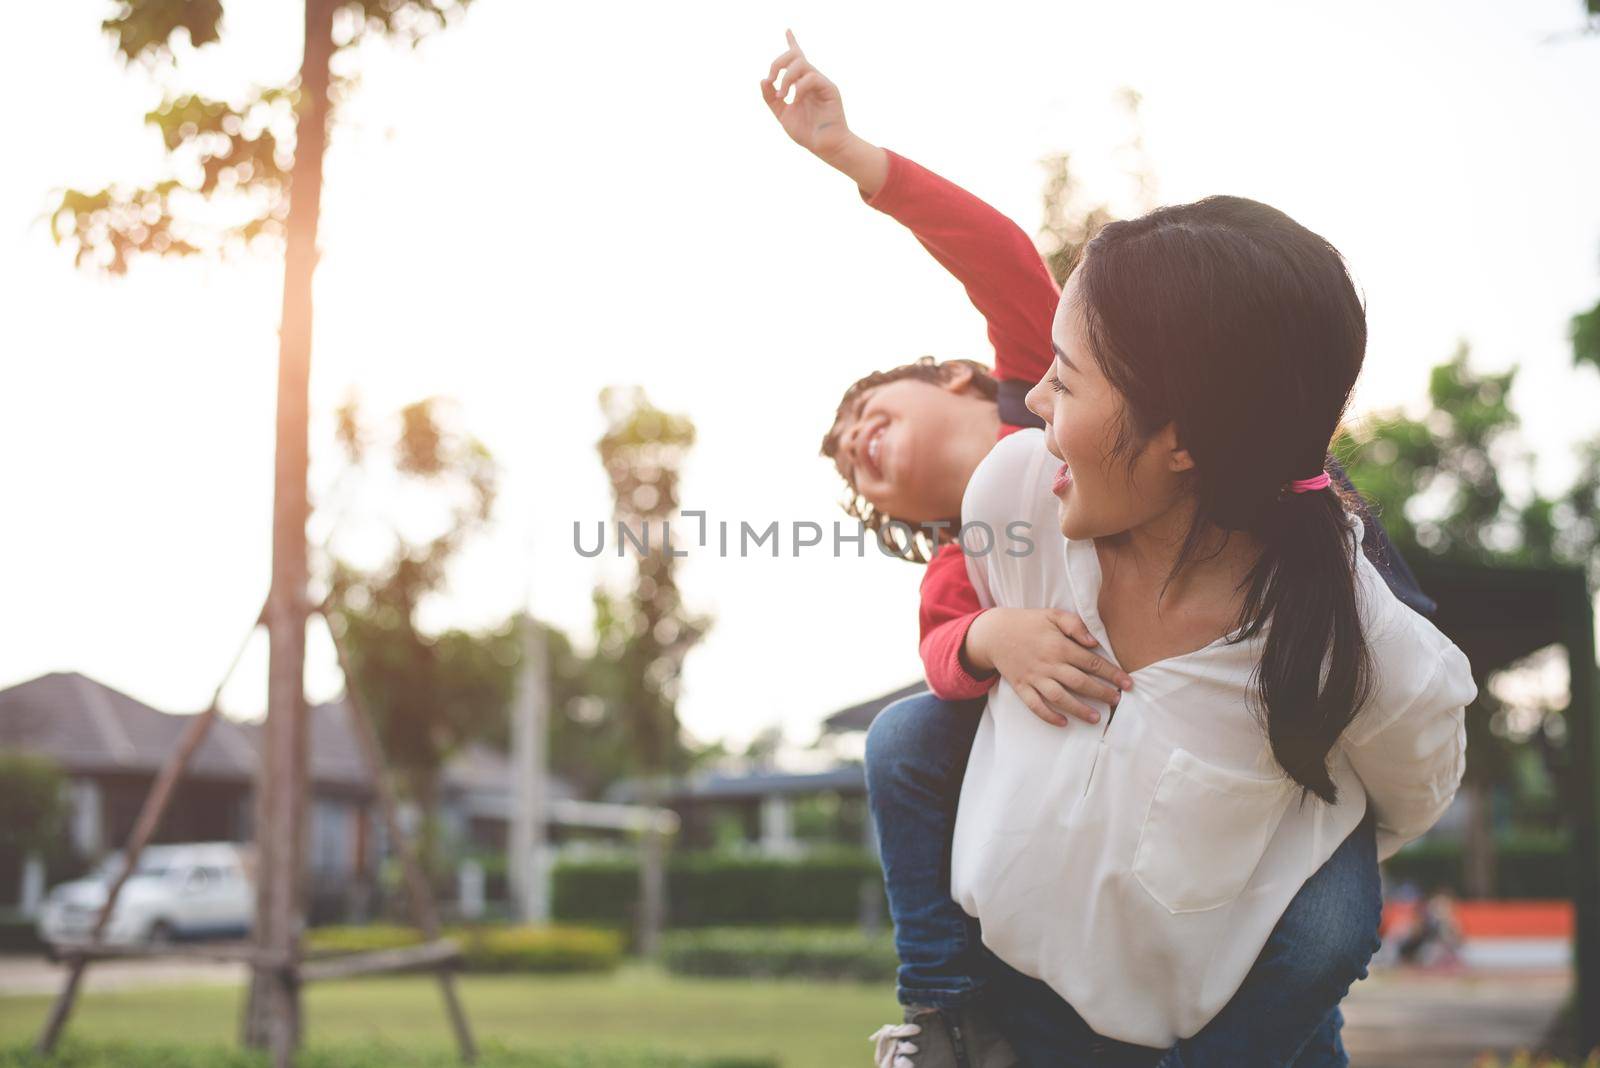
(1493, 919)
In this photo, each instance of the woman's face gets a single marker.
(1100, 492)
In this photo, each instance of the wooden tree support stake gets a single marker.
(222, 952)
(440, 954)
(347, 965)
(418, 893)
(155, 806)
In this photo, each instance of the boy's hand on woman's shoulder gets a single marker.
(1050, 659)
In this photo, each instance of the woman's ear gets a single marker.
(1178, 458)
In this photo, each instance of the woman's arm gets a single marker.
(993, 259)
(1411, 760)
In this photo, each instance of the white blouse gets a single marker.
(1138, 865)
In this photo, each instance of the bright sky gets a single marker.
(550, 198)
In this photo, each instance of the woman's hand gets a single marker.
(1048, 657)
(814, 120)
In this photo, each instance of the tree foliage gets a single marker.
(1073, 213)
(428, 693)
(33, 796)
(228, 161)
(144, 29)
(1585, 334)
(644, 634)
(1439, 486)
(1439, 483)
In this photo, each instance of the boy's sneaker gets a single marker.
(931, 1037)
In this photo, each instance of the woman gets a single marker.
(1204, 356)
(917, 749)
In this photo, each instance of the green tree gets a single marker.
(428, 693)
(1073, 214)
(588, 747)
(241, 171)
(33, 796)
(645, 633)
(1439, 486)
(1438, 483)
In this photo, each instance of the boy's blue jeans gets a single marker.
(1285, 1013)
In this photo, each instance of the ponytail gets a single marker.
(1304, 586)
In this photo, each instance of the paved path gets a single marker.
(1417, 1020)
(1396, 1019)
(35, 975)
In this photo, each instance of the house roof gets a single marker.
(88, 727)
(335, 754)
(484, 770)
(859, 717)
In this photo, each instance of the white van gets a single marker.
(193, 891)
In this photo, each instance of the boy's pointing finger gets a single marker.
(793, 73)
(778, 64)
(768, 94)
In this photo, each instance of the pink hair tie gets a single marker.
(1309, 485)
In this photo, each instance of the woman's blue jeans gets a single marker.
(1285, 1013)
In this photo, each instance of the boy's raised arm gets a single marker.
(990, 255)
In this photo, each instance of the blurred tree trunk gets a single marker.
(1478, 851)
(272, 1014)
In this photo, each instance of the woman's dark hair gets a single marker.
(1242, 328)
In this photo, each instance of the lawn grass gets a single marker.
(801, 1024)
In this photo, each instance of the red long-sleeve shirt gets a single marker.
(1010, 285)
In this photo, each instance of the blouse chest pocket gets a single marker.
(1205, 832)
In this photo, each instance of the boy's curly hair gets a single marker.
(920, 545)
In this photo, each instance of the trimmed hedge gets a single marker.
(542, 949)
(18, 934)
(129, 1055)
(786, 952)
(360, 938)
(488, 948)
(1527, 866)
(709, 889)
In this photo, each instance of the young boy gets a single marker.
(907, 442)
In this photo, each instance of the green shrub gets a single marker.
(376, 1055)
(488, 948)
(707, 889)
(786, 952)
(360, 938)
(33, 795)
(18, 934)
(540, 949)
(1527, 866)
